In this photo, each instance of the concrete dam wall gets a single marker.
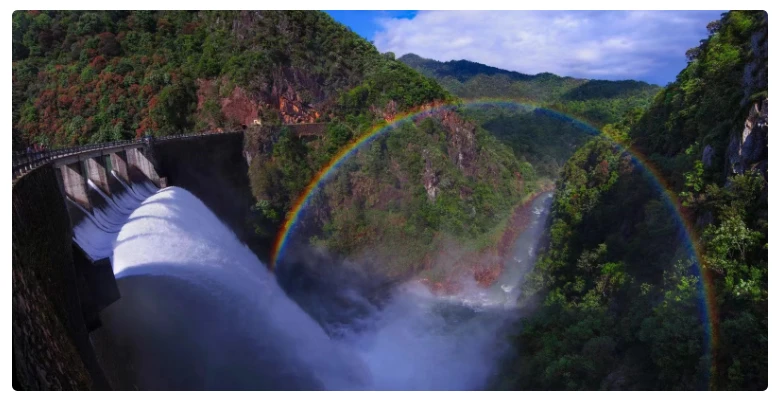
(58, 288)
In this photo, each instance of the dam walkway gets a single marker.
(24, 162)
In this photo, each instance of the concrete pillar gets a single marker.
(97, 173)
(140, 167)
(75, 184)
(118, 161)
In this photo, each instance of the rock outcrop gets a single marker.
(431, 178)
(755, 72)
(462, 145)
(748, 150)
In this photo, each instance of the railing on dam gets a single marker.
(24, 162)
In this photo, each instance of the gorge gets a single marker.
(299, 211)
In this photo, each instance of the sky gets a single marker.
(614, 45)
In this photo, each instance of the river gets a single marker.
(198, 310)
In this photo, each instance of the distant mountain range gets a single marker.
(596, 101)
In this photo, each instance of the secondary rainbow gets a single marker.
(710, 312)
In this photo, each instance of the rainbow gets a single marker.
(708, 306)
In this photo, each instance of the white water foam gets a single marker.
(199, 311)
(97, 232)
(217, 305)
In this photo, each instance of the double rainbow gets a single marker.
(708, 301)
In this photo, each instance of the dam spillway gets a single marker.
(197, 308)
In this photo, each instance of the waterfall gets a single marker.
(96, 233)
(207, 314)
(198, 310)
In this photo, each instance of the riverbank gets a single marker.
(458, 265)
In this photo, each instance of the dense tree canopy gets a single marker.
(621, 304)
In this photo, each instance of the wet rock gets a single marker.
(747, 150)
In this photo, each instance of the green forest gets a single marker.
(596, 101)
(615, 299)
(615, 313)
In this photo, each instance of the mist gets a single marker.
(198, 310)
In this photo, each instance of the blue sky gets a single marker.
(640, 45)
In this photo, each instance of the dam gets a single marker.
(134, 268)
(67, 205)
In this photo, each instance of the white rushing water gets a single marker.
(96, 233)
(198, 310)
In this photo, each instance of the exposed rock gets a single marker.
(292, 108)
(707, 156)
(388, 113)
(239, 108)
(431, 178)
(747, 150)
(755, 72)
(462, 146)
(258, 140)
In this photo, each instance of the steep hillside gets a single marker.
(538, 136)
(94, 76)
(618, 277)
(596, 101)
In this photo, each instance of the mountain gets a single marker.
(597, 101)
(437, 179)
(540, 136)
(96, 76)
(618, 295)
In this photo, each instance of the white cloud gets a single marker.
(646, 45)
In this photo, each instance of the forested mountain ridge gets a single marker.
(93, 76)
(619, 294)
(539, 136)
(597, 101)
(437, 179)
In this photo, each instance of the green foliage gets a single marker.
(616, 245)
(67, 62)
(597, 101)
(539, 138)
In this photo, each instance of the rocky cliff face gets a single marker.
(748, 149)
(431, 178)
(755, 72)
(249, 106)
(462, 146)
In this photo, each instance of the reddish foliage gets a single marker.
(603, 168)
(98, 63)
(189, 28)
(153, 102)
(65, 101)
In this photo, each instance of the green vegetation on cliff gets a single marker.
(620, 299)
(542, 138)
(83, 77)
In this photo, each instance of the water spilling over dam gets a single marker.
(198, 310)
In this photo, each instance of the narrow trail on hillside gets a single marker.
(198, 310)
